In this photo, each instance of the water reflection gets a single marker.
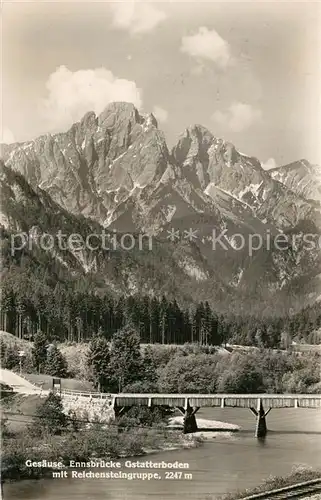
(261, 441)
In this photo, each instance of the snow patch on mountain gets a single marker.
(251, 188)
(237, 277)
(191, 269)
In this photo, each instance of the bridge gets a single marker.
(189, 404)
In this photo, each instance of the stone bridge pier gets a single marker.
(260, 414)
(189, 420)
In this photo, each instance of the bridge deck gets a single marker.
(220, 400)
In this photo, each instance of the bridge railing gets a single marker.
(84, 394)
(204, 400)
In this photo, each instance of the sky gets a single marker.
(248, 71)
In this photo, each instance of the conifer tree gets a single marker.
(50, 416)
(125, 358)
(215, 339)
(149, 365)
(9, 356)
(154, 320)
(98, 360)
(56, 365)
(163, 318)
(39, 351)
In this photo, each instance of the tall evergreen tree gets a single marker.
(119, 319)
(55, 365)
(49, 417)
(153, 320)
(215, 338)
(125, 358)
(98, 360)
(207, 324)
(200, 322)
(149, 365)
(39, 351)
(163, 319)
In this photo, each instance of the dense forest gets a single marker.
(74, 313)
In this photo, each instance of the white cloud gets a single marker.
(6, 136)
(207, 44)
(72, 94)
(160, 113)
(238, 117)
(136, 17)
(270, 163)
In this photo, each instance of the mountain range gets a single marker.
(115, 171)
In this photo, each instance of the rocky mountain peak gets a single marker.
(89, 121)
(150, 120)
(202, 133)
(98, 163)
(197, 143)
(191, 150)
(117, 165)
(301, 177)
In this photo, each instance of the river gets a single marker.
(223, 465)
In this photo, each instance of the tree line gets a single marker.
(123, 366)
(74, 312)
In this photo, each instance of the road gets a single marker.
(18, 384)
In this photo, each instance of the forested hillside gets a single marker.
(68, 311)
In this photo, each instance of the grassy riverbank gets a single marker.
(88, 444)
(99, 442)
(47, 434)
(298, 475)
(40, 429)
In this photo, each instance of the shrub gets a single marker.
(143, 416)
(49, 416)
(195, 373)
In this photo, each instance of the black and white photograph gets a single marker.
(160, 218)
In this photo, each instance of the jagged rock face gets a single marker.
(301, 177)
(116, 169)
(189, 271)
(92, 168)
(32, 211)
(213, 164)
